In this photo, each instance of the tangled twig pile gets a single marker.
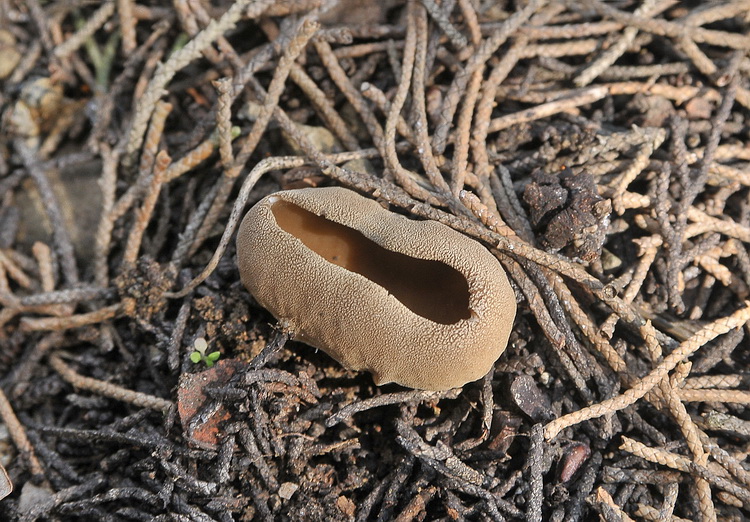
(598, 151)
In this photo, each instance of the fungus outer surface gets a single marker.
(413, 302)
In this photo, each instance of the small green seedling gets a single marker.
(199, 354)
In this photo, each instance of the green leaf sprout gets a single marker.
(199, 354)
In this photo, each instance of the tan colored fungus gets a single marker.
(413, 302)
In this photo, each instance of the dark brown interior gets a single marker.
(428, 288)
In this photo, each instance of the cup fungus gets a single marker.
(413, 302)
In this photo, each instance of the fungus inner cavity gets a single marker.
(431, 289)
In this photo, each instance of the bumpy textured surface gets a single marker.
(358, 322)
